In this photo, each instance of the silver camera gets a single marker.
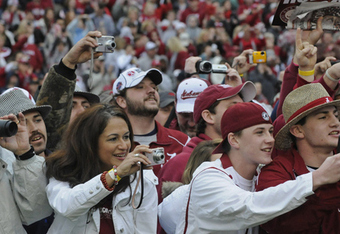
(156, 157)
(106, 44)
(206, 67)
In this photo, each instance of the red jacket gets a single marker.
(171, 140)
(174, 168)
(320, 214)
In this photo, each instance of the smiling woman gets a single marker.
(95, 165)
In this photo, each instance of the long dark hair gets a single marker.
(77, 159)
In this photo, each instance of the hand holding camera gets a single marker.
(18, 142)
(81, 51)
(133, 160)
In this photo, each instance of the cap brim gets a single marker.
(92, 98)
(184, 107)
(247, 91)
(166, 102)
(155, 75)
(283, 140)
(44, 110)
(152, 73)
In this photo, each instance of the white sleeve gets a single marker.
(76, 201)
(217, 203)
(29, 184)
(169, 211)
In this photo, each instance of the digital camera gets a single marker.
(206, 67)
(258, 57)
(8, 128)
(106, 44)
(156, 157)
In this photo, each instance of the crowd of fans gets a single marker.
(161, 34)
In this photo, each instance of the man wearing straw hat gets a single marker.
(22, 179)
(309, 137)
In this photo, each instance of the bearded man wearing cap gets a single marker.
(136, 92)
(22, 178)
(221, 199)
(308, 138)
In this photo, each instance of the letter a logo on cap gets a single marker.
(265, 116)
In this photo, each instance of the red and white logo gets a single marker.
(187, 95)
(131, 73)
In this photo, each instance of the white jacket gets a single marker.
(218, 205)
(74, 212)
(22, 188)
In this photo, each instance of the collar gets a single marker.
(225, 160)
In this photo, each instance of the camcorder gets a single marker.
(258, 57)
(156, 157)
(8, 128)
(206, 67)
(106, 44)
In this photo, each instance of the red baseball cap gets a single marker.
(219, 92)
(240, 116)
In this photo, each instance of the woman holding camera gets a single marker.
(93, 175)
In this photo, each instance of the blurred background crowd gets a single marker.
(162, 34)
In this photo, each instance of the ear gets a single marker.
(121, 102)
(297, 131)
(208, 117)
(233, 141)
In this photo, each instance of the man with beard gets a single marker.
(136, 92)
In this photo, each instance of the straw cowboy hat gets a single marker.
(16, 101)
(298, 104)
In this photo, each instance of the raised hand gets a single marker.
(81, 51)
(312, 36)
(305, 53)
(131, 163)
(240, 62)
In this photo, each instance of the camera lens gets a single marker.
(262, 52)
(158, 157)
(110, 45)
(205, 66)
(8, 128)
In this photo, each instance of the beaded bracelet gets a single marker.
(103, 179)
(330, 77)
(306, 73)
(114, 175)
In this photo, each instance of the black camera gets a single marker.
(106, 44)
(206, 67)
(8, 128)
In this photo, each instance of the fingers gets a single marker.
(319, 24)
(298, 41)
(247, 52)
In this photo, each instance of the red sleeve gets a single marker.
(180, 60)
(330, 91)
(289, 80)
(309, 216)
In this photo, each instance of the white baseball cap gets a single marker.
(133, 76)
(187, 92)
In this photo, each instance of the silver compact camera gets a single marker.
(156, 157)
(106, 44)
(206, 67)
